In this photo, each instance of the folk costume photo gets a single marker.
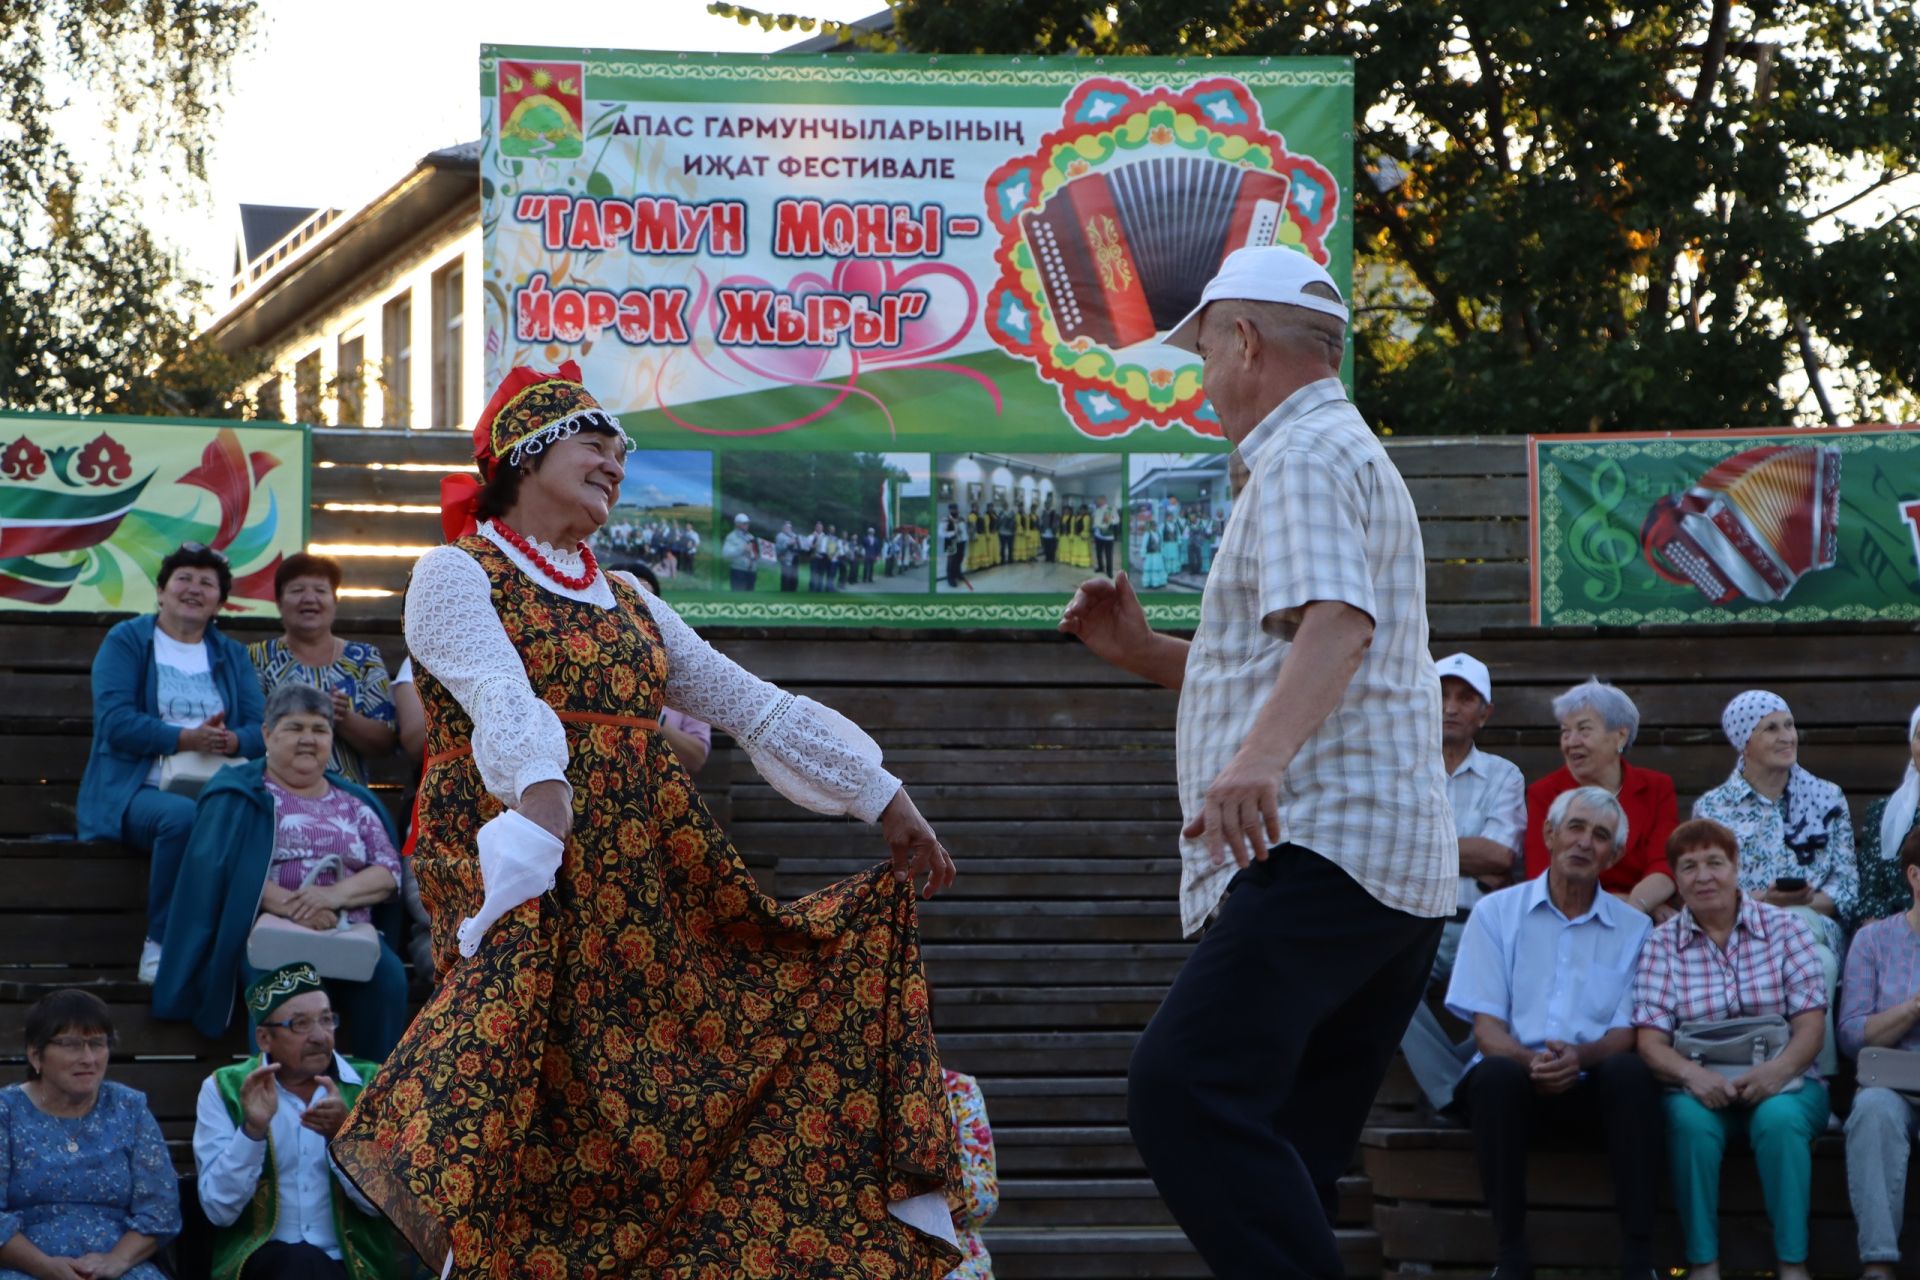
(637, 1064)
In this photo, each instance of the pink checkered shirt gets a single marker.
(1769, 967)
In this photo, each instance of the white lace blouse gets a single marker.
(811, 754)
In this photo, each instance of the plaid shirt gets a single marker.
(1324, 516)
(1769, 966)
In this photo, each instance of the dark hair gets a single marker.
(499, 493)
(1910, 852)
(302, 565)
(1698, 833)
(646, 575)
(194, 555)
(69, 1009)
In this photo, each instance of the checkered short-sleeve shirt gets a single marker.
(1324, 516)
(1768, 967)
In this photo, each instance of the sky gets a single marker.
(336, 102)
(664, 477)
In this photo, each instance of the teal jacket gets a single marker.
(217, 897)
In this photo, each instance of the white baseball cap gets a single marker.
(1263, 273)
(1464, 666)
(742, 519)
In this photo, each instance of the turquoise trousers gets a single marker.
(1780, 1131)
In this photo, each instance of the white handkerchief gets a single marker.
(518, 860)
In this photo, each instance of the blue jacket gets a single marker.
(128, 736)
(217, 898)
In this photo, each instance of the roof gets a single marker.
(264, 225)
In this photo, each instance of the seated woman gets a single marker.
(165, 683)
(1880, 1008)
(1598, 723)
(310, 654)
(974, 1199)
(260, 828)
(1883, 888)
(1729, 956)
(86, 1186)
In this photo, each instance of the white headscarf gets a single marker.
(1744, 714)
(1897, 819)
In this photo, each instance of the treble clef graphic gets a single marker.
(1599, 547)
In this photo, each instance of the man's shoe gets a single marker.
(149, 961)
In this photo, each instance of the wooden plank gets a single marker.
(1476, 539)
(359, 446)
(58, 884)
(1057, 965)
(793, 836)
(138, 1031)
(1473, 456)
(1051, 804)
(1451, 497)
(1477, 583)
(1037, 1053)
(1139, 1253)
(75, 938)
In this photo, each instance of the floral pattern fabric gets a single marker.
(359, 672)
(653, 1069)
(1760, 825)
(1883, 885)
(75, 1186)
(977, 1195)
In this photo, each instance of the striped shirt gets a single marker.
(1324, 517)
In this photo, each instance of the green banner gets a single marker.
(89, 506)
(1789, 525)
(903, 314)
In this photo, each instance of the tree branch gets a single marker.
(1811, 363)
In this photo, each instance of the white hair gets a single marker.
(1593, 798)
(1615, 709)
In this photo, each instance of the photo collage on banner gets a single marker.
(887, 331)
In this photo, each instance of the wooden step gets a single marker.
(1136, 1253)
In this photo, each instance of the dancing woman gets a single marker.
(650, 1068)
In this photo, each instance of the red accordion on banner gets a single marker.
(1751, 526)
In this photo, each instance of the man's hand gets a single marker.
(550, 805)
(1240, 818)
(915, 849)
(327, 1112)
(1762, 1082)
(1555, 1069)
(259, 1101)
(1709, 1088)
(1106, 617)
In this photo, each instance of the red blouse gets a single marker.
(1652, 813)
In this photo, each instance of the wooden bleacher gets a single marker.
(1051, 778)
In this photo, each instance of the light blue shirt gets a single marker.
(1545, 976)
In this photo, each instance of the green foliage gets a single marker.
(1589, 216)
(94, 314)
(840, 489)
(850, 35)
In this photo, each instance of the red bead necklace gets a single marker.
(574, 582)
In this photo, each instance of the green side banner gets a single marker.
(902, 314)
(1788, 525)
(90, 505)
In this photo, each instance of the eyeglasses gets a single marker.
(306, 1022)
(201, 548)
(82, 1044)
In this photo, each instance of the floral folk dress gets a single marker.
(653, 1069)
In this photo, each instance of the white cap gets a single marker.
(1262, 273)
(1464, 666)
(742, 519)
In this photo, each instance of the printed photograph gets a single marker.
(663, 520)
(825, 523)
(1027, 522)
(1177, 505)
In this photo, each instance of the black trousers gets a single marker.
(1103, 556)
(278, 1260)
(1617, 1103)
(789, 577)
(1248, 1090)
(954, 560)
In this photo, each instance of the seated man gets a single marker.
(1489, 798)
(280, 1210)
(1545, 973)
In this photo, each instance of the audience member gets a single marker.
(1598, 723)
(1796, 838)
(1728, 956)
(171, 697)
(1488, 795)
(86, 1187)
(691, 740)
(1880, 1008)
(410, 718)
(272, 822)
(308, 653)
(1545, 974)
(1883, 890)
(280, 1209)
(976, 1197)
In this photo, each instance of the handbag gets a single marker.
(1734, 1046)
(346, 952)
(184, 772)
(1895, 1069)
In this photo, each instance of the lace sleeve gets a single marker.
(811, 754)
(454, 633)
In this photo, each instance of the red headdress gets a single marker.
(528, 412)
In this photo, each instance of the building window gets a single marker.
(352, 380)
(266, 402)
(447, 287)
(306, 388)
(396, 366)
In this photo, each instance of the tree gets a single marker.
(1592, 216)
(94, 312)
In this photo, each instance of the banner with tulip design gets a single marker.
(966, 258)
(90, 505)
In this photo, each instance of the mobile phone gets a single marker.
(1790, 884)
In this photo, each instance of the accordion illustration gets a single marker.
(1124, 253)
(1751, 526)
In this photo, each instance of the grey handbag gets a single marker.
(1735, 1046)
(1895, 1069)
(348, 952)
